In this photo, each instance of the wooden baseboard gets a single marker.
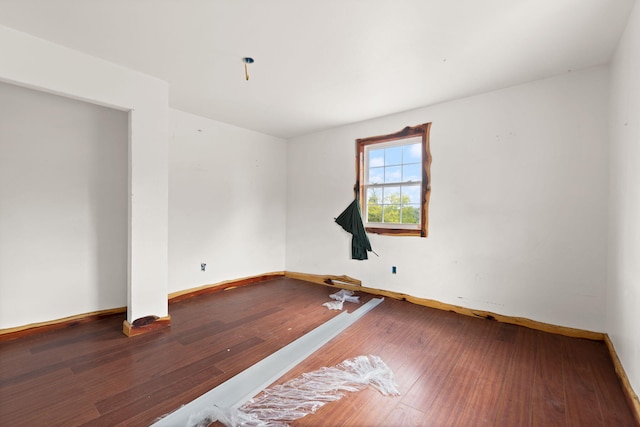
(632, 397)
(152, 323)
(222, 286)
(144, 325)
(347, 282)
(38, 328)
(128, 328)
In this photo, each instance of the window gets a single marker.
(394, 181)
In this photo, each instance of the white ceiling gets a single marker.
(320, 64)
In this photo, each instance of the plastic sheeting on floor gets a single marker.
(244, 386)
(280, 404)
(339, 298)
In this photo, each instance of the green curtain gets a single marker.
(351, 221)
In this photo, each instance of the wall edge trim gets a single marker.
(16, 332)
(223, 286)
(629, 393)
(151, 323)
(51, 325)
(329, 280)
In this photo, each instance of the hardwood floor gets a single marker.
(452, 370)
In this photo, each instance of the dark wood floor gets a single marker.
(452, 370)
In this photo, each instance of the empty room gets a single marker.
(339, 213)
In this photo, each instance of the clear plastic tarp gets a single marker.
(339, 298)
(304, 395)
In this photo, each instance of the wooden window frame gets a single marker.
(408, 132)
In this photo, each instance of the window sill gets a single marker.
(394, 231)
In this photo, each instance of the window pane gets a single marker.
(391, 195)
(393, 156)
(374, 213)
(412, 172)
(392, 174)
(391, 213)
(376, 158)
(412, 153)
(411, 194)
(374, 196)
(411, 214)
(376, 176)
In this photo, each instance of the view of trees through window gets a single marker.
(397, 211)
(393, 183)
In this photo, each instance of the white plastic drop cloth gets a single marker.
(340, 297)
(280, 404)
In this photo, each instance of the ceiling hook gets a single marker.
(246, 61)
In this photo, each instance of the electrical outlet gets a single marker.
(203, 266)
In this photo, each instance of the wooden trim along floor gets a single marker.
(144, 325)
(51, 325)
(343, 282)
(139, 326)
(350, 283)
(222, 286)
(632, 397)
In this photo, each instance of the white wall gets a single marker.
(63, 206)
(623, 286)
(518, 205)
(35, 63)
(227, 202)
